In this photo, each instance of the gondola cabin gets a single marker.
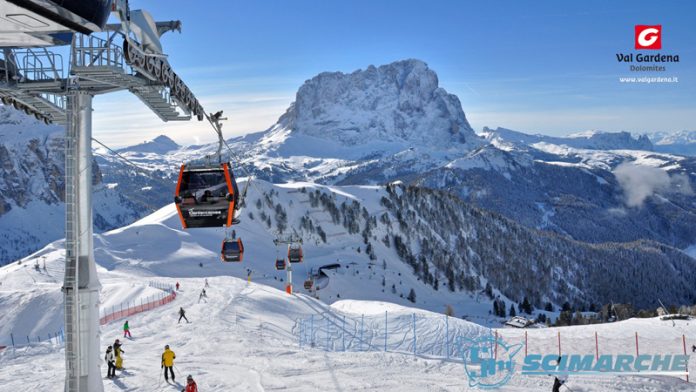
(280, 264)
(206, 196)
(295, 254)
(308, 284)
(232, 250)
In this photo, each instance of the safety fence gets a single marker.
(107, 315)
(666, 341)
(412, 333)
(127, 309)
(50, 338)
(442, 337)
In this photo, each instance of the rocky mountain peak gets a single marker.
(399, 102)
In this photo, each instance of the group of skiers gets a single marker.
(114, 358)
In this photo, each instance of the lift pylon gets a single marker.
(33, 79)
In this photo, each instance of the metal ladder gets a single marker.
(70, 288)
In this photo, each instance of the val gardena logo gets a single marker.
(648, 37)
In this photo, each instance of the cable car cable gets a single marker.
(129, 162)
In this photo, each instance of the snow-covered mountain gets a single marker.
(391, 107)
(589, 140)
(394, 122)
(159, 145)
(32, 188)
(682, 142)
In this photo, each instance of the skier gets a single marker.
(693, 348)
(206, 283)
(177, 286)
(126, 330)
(559, 379)
(202, 296)
(111, 362)
(168, 357)
(118, 351)
(182, 314)
(190, 385)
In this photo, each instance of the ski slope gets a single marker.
(244, 339)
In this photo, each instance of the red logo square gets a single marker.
(648, 37)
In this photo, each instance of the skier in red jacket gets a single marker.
(190, 385)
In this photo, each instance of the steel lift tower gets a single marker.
(291, 239)
(102, 59)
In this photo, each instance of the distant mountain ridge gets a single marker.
(159, 145)
(591, 140)
(682, 142)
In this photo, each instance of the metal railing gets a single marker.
(91, 50)
(39, 64)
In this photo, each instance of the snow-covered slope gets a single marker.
(390, 241)
(245, 337)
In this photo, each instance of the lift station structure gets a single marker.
(36, 79)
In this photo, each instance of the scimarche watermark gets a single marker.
(490, 362)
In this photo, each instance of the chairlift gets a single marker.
(295, 253)
(232, 250)
(206, 195)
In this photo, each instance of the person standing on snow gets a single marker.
(168, 357)
(126, 330)
(559, 379)
(202, 296)
(110, 362)
(177, 286)
(190, 385)
(206, 283)
(117, 352)
(182, 314)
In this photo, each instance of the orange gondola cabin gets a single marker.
(232, 250)
(206, 196)
(295, 254)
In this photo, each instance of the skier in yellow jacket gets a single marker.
(168, 357)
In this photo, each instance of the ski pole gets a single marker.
(177, 369)
(159, 380)
(567, 387)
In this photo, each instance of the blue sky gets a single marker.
(537, 66)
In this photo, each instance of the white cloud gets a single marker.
(640, 182)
